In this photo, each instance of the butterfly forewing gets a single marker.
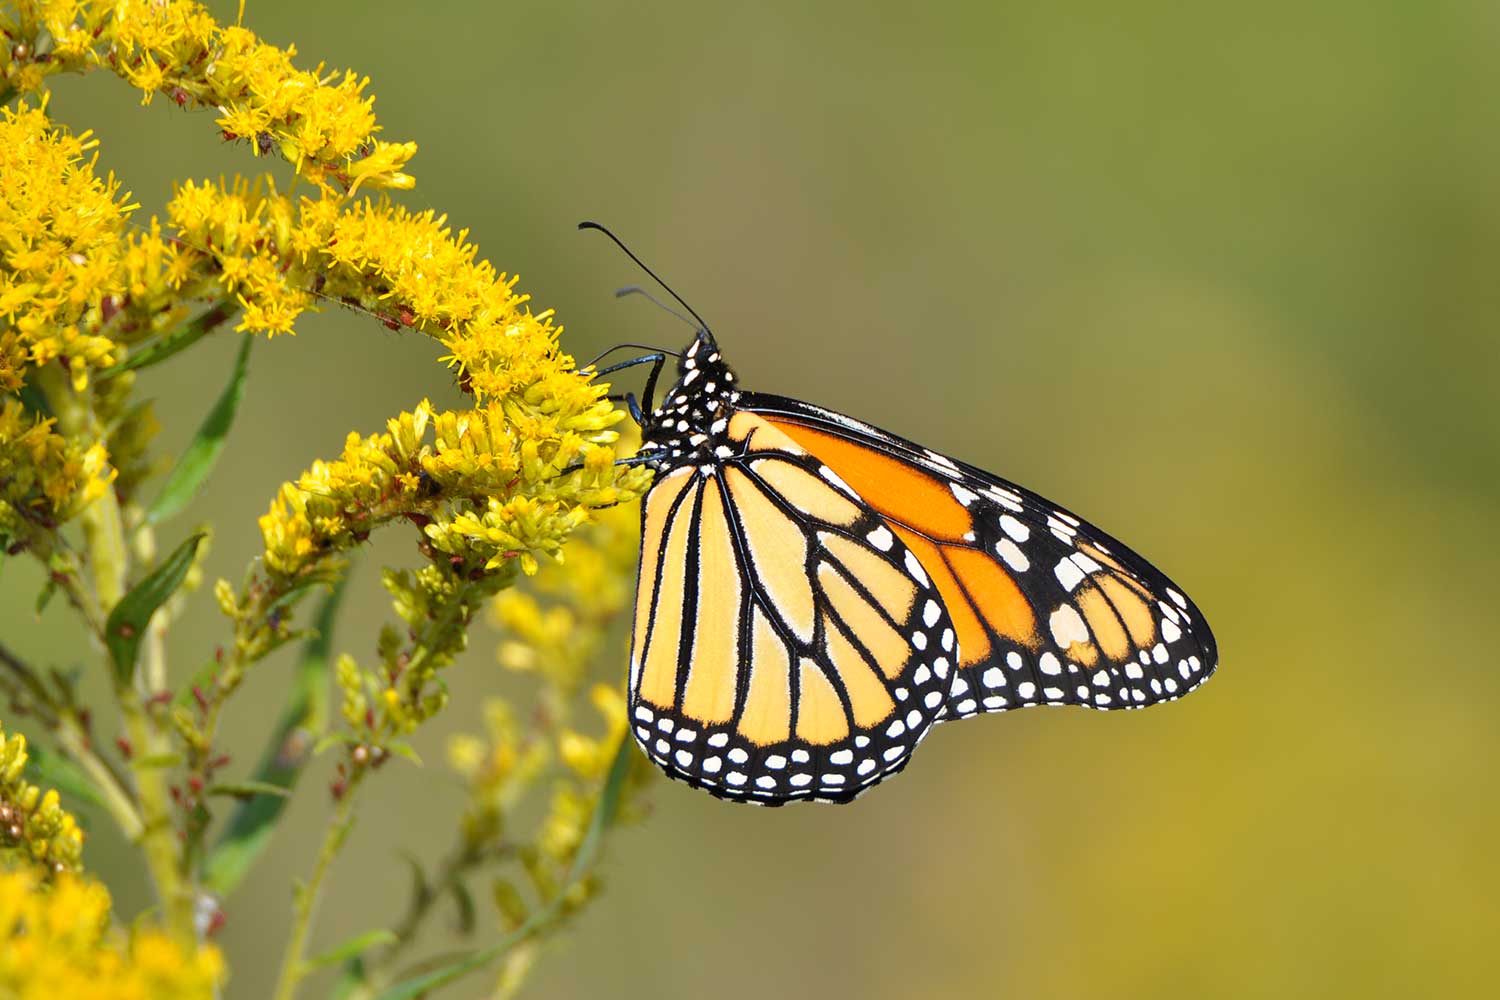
(1047, 608)
(788, 644)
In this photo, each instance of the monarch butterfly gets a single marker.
(816, 594)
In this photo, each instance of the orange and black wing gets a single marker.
(787, 645)
(1048, 609)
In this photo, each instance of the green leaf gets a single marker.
(31, 397)
(183, 337)
(402, 749)
(464, 901)
(247, 789)
(352, 948)
(330, 740)
(127, 622)
(198, 461)
(157, 761)
(59, 772)
(349, 980)
(290, 748)
(45, 597)
(604, 817)
(294, 593)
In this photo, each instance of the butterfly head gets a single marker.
(689, 424)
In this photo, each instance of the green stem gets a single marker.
(308, 896)
(153, 676)
(104, 537)
(158, 834)
(71, 738)
(103, 530)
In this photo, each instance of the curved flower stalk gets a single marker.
(494, 492)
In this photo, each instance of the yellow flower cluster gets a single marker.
(43, 37)
(45, 478)
(322, 122)
(60, 248)
(56, 941)
(558, 629)
(557, 626)
(33, 824)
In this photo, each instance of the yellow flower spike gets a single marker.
(352, 685)
(465, 754)
(59, 943)
(32, 822)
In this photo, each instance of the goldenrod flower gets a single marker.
(56, 941)
(45, 478)
(33, 824)
(60, 247)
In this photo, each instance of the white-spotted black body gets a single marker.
(688, 427)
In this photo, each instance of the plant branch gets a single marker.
(158, 834)
(70, 735)
(28, 679)
(74, 742)
(103, 530)
(307, 896)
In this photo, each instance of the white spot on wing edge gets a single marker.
(1012, 554)
(1068, 574)
(833, 477)
(914, 567)
(942, 460)
(1067, 626)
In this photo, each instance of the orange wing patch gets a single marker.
(926, 504)
(971, 606)
(791, 646)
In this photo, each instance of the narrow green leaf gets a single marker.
(294, 593)
(420, 890)
(290, 748)
(464, 901)
(402, 749)
(59, 772)
(604, 817)
(45, 597)
(352, 948)
(198, 461)
(127, 622)
(329, 740)
(349, 980)
(31, 397)
(183, 337)
(157, 761)
(247, 789)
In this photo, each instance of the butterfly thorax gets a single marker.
(689, 426)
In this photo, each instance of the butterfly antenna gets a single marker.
(642, 265)
(620, 293)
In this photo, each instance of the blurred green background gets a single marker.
(1220, 277)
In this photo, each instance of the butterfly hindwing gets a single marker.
(1048, 609)
(787, 643)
